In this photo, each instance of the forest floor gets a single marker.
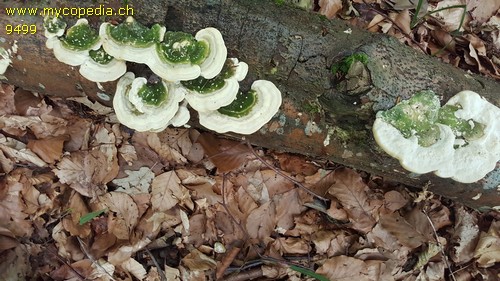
(84, 198)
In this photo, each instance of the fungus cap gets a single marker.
(139, 113)
(74, 48)
(226, 89)
(412, 156)
(478, 157)
(130, 40)
(468, 144)
(248, 113)
(54, 27)
(101, 67)
(214, 62)
(178, 57)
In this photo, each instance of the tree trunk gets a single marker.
(295, 50)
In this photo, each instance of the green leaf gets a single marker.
(309, 273)
(88, 217)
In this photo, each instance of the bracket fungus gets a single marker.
(54, 27)
(212, 65)
(247, 113)
(101, 67)
(211, 94)
(460, 140)
(73, 49)
(192, 68)
(130, 40)
(145, 107)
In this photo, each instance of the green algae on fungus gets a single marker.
(181, 47)
(138, 110)
(468, 145)
(73, 49)
(153, 94)
(241, 106)
(247, 114)
(80, 37)
(54, 26)
(468, 129)
(131, 41)
(205, 86)
(134, 34)
(416, 116)
(100, 56)
(101, 67)
(210, 94)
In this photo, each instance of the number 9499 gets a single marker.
(20, 29)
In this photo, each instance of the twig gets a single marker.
(277, 171)
(160, 270)
(440, 245)
(399, 28)
(84, 249)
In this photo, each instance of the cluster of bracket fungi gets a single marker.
(194, 70)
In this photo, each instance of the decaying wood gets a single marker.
(295, 50)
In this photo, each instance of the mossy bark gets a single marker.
(295, 50)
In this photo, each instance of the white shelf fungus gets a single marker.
(214, 62)
(73, 49)
(130, 40)
(460, 140)
(248, 113)
(101, 67)
(145, 107)
(212, 94)
(192, 68)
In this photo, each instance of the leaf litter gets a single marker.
(185, 205)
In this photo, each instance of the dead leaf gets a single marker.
(329, 8)
(348, 268)
(49, 149)
(136, 182)
(7, 100)
(407, 234)
(487, 250)
(464, 237)
(86, 171)
(197, 261)
(166, 152)
(352, 193)
(123, 213)
(168, 192)
(227, 155)
(261, 221)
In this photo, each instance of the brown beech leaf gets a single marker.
(329, 8)
(49, 149)
(260, 223)
(407, 234)
(227, 155)
(487, 250)
(7, 100)
(344, 268)
(167, 192)
(166, 152)
(123, 213)
(86, 172)
(352, 193)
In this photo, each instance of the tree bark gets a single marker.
(295, 50)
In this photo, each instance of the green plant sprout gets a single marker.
(90, 216)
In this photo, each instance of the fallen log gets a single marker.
(321, 117)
